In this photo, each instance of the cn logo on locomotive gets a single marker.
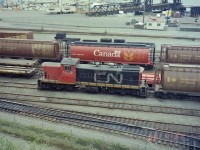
(98, 77)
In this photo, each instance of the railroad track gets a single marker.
(173, 127)
(91, 103)
(18, 85)
(100, 104)
(111, 124)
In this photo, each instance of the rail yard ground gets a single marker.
(133, 143)
(81, 26)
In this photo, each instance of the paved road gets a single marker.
(111, 25)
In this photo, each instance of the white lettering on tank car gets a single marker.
(116, 53)
(108, 77)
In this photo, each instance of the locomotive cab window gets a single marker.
(67, 68)
(45, 74)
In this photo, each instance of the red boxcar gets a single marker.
(115, 53)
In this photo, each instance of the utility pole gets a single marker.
(6, 3)
(144, 11)
(89, 7)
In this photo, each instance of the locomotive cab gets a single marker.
(68, 67)
(58, 75)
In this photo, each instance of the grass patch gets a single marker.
(53, 138)
(6, 144)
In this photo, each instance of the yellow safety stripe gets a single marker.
(54, 81)
(93, 84)
(108, 85)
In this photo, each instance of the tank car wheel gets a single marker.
(181, 96)
(157, 94)
(164, 95)
(196, 98)
(171, 95)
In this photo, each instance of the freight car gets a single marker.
(18, 48)
(180, 54)
(178, 81)
(17, 70)
(70, 74)
(142, 54)
(18, 62)
(16, 34)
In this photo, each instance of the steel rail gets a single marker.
(93, 103)
(158, 125)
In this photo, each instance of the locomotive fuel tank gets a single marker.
(180, 54)
(29, 49)
(16, 34)
(176, 77)
(110, 53)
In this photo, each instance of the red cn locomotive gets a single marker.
(69, 74)
(119, 53)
